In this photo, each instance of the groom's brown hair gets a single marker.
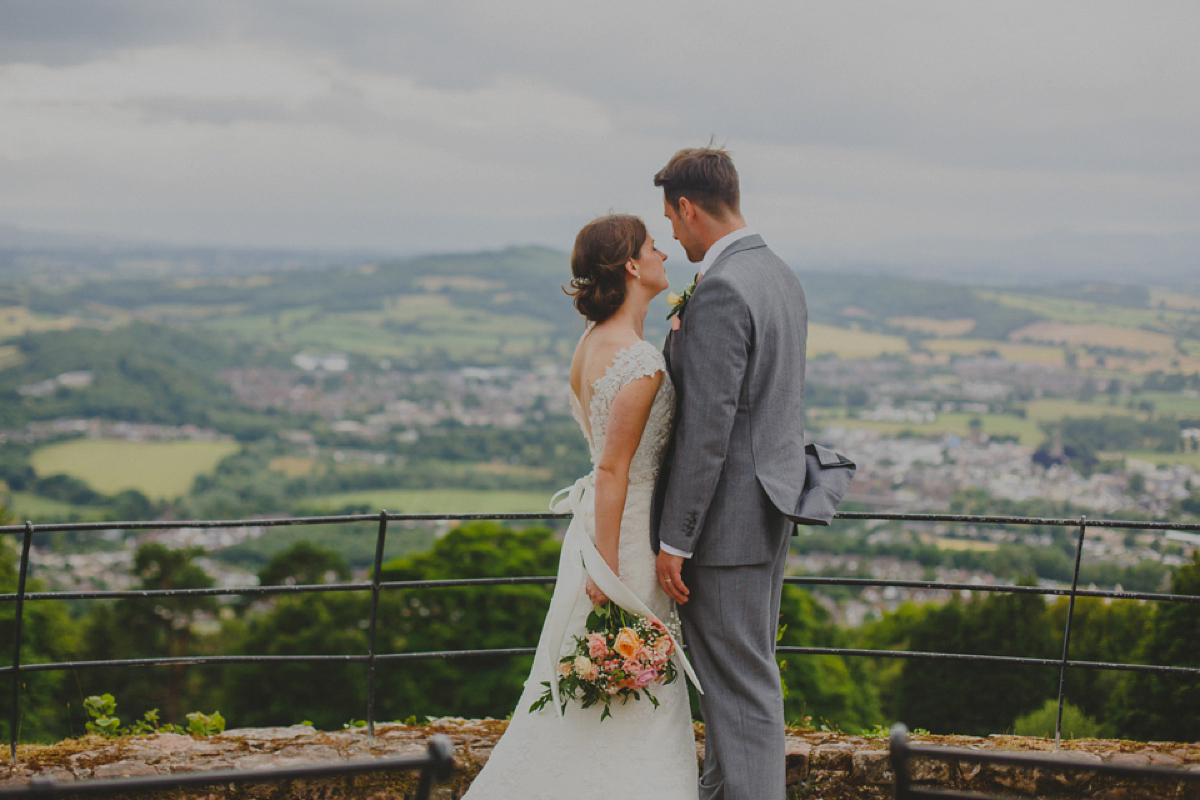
(704, 175)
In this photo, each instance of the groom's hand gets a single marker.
(669, 569)
(594, 594)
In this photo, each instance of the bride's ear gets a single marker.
(631, 270)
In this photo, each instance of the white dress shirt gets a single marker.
(710, 256)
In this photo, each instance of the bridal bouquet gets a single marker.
(621, 655)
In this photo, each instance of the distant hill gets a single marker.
(55, 259)
(1169, 259)
(508, 306)
(528, 279)
(138, 373)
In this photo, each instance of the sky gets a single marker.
(862, 130)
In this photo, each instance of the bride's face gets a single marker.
(650, 269)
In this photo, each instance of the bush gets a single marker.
(1075, 723)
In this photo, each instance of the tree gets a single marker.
(1100, 631)
(973, 698)
(1044, 721)
(328, 693)
(465, 618)
(149, 627)
(826, 688)
(1157, 707)
(304, 563)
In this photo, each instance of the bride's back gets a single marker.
(606, 363)
(594, 353)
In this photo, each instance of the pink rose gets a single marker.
(597, 647)
(646, 678)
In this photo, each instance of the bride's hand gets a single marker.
(594, 594)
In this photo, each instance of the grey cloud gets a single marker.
(61, 32)
(1090, 111)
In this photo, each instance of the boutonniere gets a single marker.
(677, 302)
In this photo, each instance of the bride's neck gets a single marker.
(632, 314)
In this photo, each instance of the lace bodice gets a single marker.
(630, 363)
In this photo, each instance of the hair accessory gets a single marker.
(579, 283)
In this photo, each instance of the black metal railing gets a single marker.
(901, 754)
(376, 586)
(436, 764)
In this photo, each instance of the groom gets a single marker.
(735, 465)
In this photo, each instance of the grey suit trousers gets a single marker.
(729, 624)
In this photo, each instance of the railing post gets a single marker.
(380, 538)
(898, 755)
(440, 766)
(15, 709)
(1062, 669)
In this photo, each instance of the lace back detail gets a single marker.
(639, 360)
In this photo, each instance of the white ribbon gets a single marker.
(581, 559)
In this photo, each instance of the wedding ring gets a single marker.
(668, 580)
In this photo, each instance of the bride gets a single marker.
(624, 402)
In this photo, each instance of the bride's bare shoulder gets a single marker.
(597, 350)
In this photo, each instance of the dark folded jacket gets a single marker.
(827, 478)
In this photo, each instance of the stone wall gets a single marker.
(820, 765)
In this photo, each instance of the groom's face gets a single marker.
(684, 231)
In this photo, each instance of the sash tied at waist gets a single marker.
(579, 560)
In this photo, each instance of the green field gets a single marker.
(957, 422)
(407, 325)
(28, 506)
(10, 356)
(1028, 429)
(1086, 312)
(433, 501)
(160, 470)
(850, 344)
(1176, 403)
(1055, 409)
(1164, 459)
(1022, 351)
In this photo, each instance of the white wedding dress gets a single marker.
(640, 751)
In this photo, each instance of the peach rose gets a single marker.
(564, 668)
(627, 643)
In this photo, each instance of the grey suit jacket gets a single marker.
(736, 459)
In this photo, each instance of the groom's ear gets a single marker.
(687, 209)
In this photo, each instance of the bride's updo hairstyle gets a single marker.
(602, 249)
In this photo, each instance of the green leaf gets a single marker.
(205, 724)
(100, 705)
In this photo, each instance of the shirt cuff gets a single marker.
(666, 547)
